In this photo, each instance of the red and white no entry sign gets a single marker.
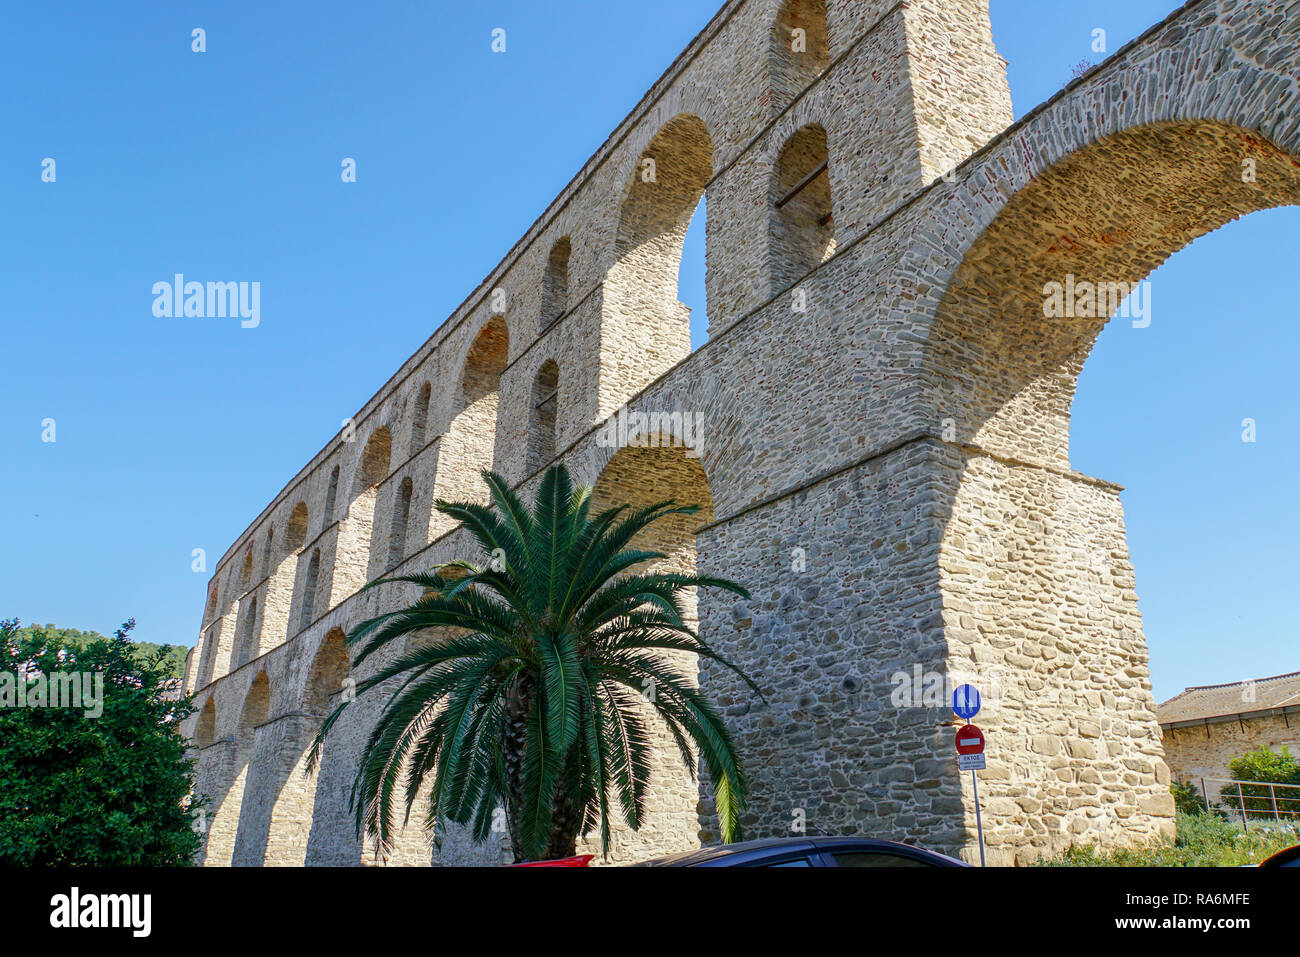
(970, 757)
(970, 740)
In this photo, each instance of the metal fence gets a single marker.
(1253, 800)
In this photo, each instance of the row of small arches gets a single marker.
(653, 225)
(326, 679)
(800, 53)
(473, 428)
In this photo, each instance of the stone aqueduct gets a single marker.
(883, 421)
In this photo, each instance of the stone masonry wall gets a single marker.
(881, 429)
(1204, 752)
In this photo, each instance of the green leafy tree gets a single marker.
(105, 783)
(1269, 767)
(535, 698)
(171, 657)
(1187, 798)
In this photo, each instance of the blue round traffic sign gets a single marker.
(966, 702)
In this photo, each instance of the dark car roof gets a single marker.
(1287, 858)
(771, 846)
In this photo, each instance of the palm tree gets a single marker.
(535, 701)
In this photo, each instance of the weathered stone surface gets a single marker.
(878, 428)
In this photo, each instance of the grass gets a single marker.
(1204, 840)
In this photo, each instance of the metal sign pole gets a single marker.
(966, 702)
(979, 822)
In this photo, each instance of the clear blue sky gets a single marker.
(173, 435)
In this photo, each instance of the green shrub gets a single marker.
(1187, 798)
(1204, 840)
(1270, 767)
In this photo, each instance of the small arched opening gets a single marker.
(555, 282)
(802, 220)
(544, 405)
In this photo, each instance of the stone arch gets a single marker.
(267, 545)
(211, 646)
(331, 495)
(359, 558)
(1096, 223)
(319, 827)
(800, 49)
(256, 711)
(542, 416)
(470, 442)
(372, 469)
(205, 731)
(486, 359)
(295, 535)
(802, 225)
(652, 468)
(555, 282)
(289, 824)
(1039, 551)
(245, 572)
(1193, 101)
(277, 615)
(223, 832)
(211, 608)
(310, 585)
(420, 419)
(329, 672)
(666, 188)
(247, 648)
(190, 671)
(397, 532)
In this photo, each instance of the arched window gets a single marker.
(666, 189)
(206, 730)
(800, 49)
(420, 422)
(401, 517)
(331, 496)
(257, 711)
(555, 284)
(248, 645)
(541, 431)
(802, 224)
(469, 445)
(211, 647)
(693, 272)
(329, 672)
(245, 572)
(374, 460)
(295, 536)
(306, 615)
(266, 551)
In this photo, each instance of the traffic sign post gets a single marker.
(970, 740)
(970, 748)
(979, 823)
(966, 701)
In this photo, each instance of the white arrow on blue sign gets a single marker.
(966, 702)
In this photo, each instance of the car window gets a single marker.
(797, 862)
(876, 859)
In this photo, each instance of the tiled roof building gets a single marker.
(1205, 727)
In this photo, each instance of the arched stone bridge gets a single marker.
(877, 427)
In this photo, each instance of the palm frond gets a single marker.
(550, 660)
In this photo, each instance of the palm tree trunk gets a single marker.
(567, 812)
(566, 815)
(518, 706)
